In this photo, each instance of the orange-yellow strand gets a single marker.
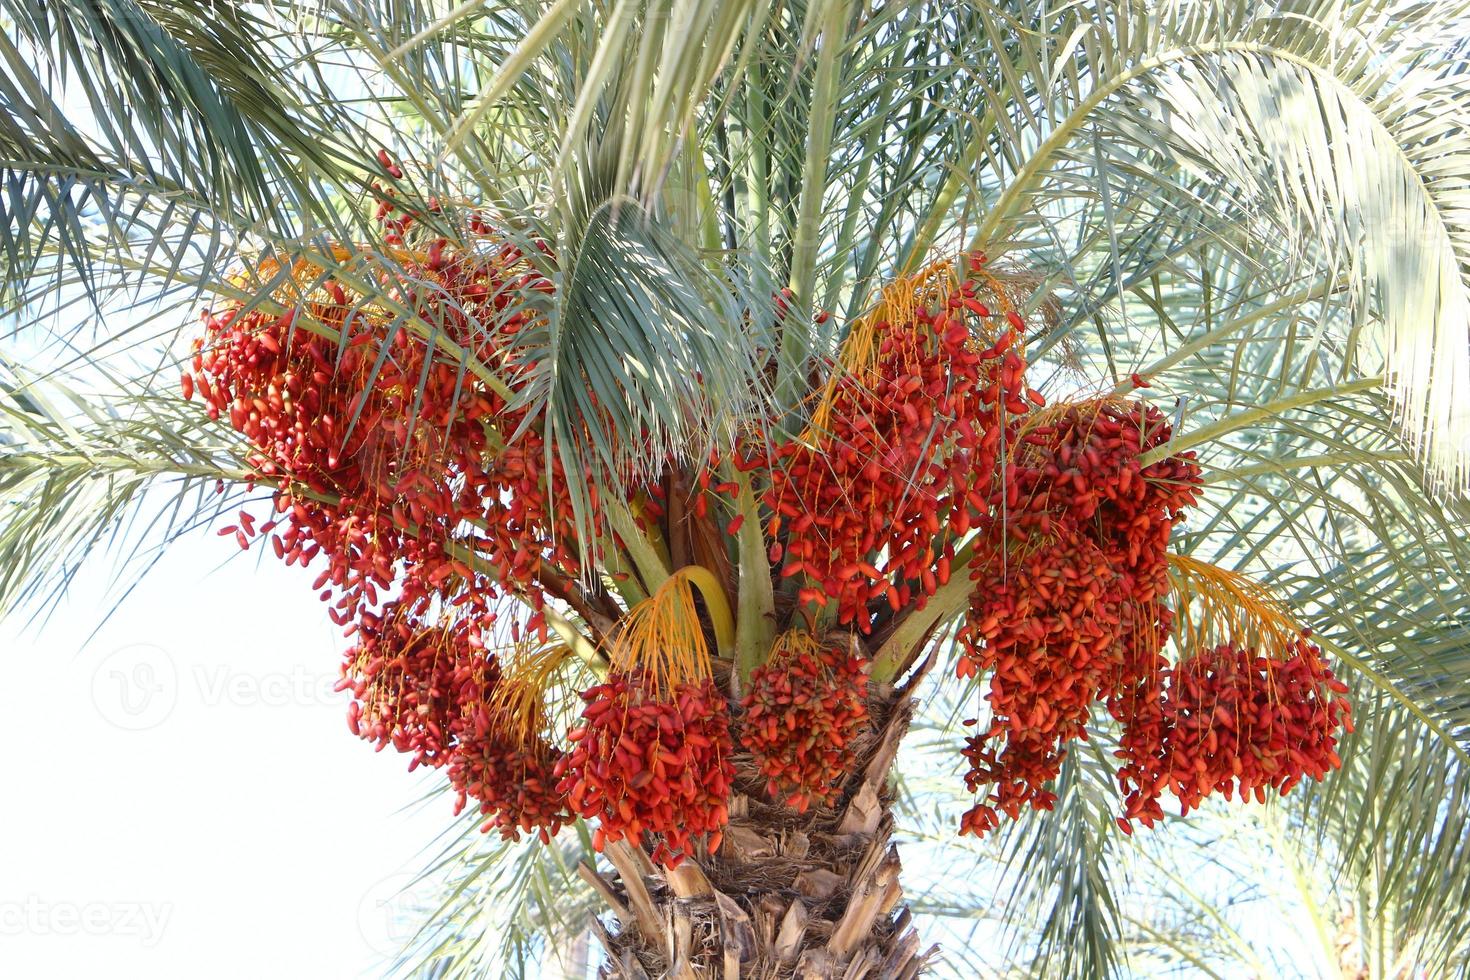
(662, 638)
(793, 643)
(900, 301)
(1215, 606)
(518, 701)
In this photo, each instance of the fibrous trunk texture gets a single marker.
(813, 896)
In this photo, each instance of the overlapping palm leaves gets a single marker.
(1262, 211)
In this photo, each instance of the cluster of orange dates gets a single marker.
(649, 764)
(428, 691)
(802, 712)
(422, 486)
(1069, 574)
(900, 461)
(1235, 721)
(382, 446)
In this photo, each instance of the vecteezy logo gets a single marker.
(36, 916)
(393, 911)
(136, 687)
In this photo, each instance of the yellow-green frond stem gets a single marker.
(912, 635)
(621, 577)
(649, 554)
(755, 601)
(581, 647)
(1250, 416)
(716, 604)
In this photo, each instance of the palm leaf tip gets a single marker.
(1361, 185)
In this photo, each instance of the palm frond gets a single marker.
(645, 355)
(107, 100)
(1042, 898)
(1393, 822)
(1349, 162)
(77, 479)
(509, 907)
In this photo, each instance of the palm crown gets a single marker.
(737, 366)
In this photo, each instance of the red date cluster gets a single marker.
(387, 452)
(650, 767)
(513, 778)
(803, 711)
(1236, 721)
(1068, 573)
(901, 455)
(400, 673)
(427, 690)
(1046, 624)
(1136, 700)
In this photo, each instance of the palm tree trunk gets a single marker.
(813, 896)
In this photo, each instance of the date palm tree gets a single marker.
(1254, 217)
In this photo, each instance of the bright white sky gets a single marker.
(186, 799)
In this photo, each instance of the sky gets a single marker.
(186, 799)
